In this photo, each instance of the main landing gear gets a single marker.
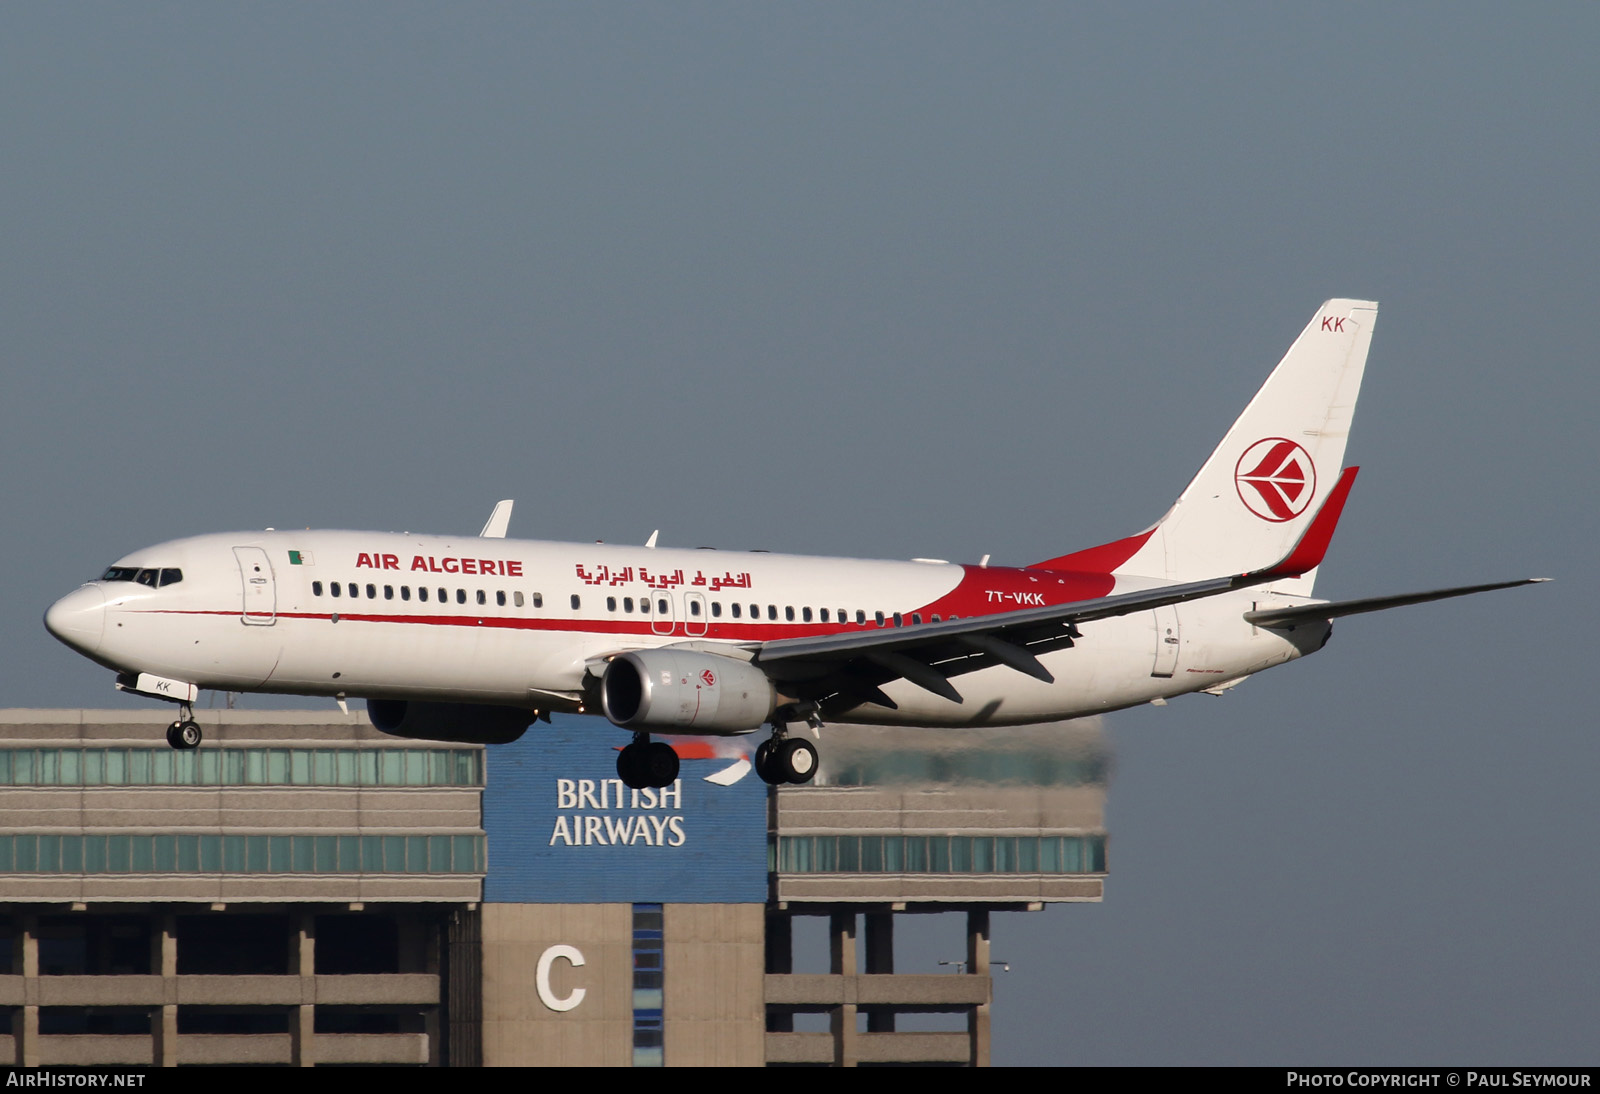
(647, 763)
(784, 759)
(185, 733)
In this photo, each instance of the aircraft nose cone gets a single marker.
(79, 618)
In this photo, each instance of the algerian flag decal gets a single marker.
(300, 558)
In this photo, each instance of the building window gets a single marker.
(648, 985)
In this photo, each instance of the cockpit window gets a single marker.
(150, 577)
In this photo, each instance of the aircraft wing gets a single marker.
(846, 670)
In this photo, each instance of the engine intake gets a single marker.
(680, 690)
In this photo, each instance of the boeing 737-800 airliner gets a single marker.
(473, 638)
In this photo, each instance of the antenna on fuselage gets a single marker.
(499, 520)
(651, 542)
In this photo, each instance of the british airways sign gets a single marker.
(564, 829)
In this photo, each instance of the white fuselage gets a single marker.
(520, 623)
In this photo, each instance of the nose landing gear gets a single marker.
(184, 733)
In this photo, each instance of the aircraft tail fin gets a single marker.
(1253, 499)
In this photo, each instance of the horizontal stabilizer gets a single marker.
(1280, 617)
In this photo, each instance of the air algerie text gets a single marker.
(428, 564)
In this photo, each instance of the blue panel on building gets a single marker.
(563, 829)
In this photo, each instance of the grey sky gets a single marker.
(897, 280)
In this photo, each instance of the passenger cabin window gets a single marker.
(517, 597)
(716, 609)
(388, 592)
(611, 603)
(316, 588)
(737, 611)
(355, 590)
(916, 617)
(861, 617)
(334, 587)
(772, 612)
(788, 613)
(694, 607)
(461, 596)
(405, 592)
(644, 605)
(662, 608)
(576, 601)
(482, 597)
(372, 592)
(824, 614)
(422, 593)
(444, 596)
(627, 604)
(538, 600)
(805, 614)
(879, 617)
(500, 597)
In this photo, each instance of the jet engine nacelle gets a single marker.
(471, 723)
(670, 690)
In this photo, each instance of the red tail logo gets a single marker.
(1276, 479)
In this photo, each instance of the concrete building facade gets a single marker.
(305, 890)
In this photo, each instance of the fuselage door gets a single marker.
(260, 593)
(661, 611)
(694, 615)
(1166, 620)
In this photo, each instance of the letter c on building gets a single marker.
(541, 978)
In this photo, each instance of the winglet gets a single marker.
(1307, 553)
(499, 521)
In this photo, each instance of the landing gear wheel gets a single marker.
(630, 770)
(765, 767)
(647, 763)
(661, 764)
(796, 760)
(184, 734)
